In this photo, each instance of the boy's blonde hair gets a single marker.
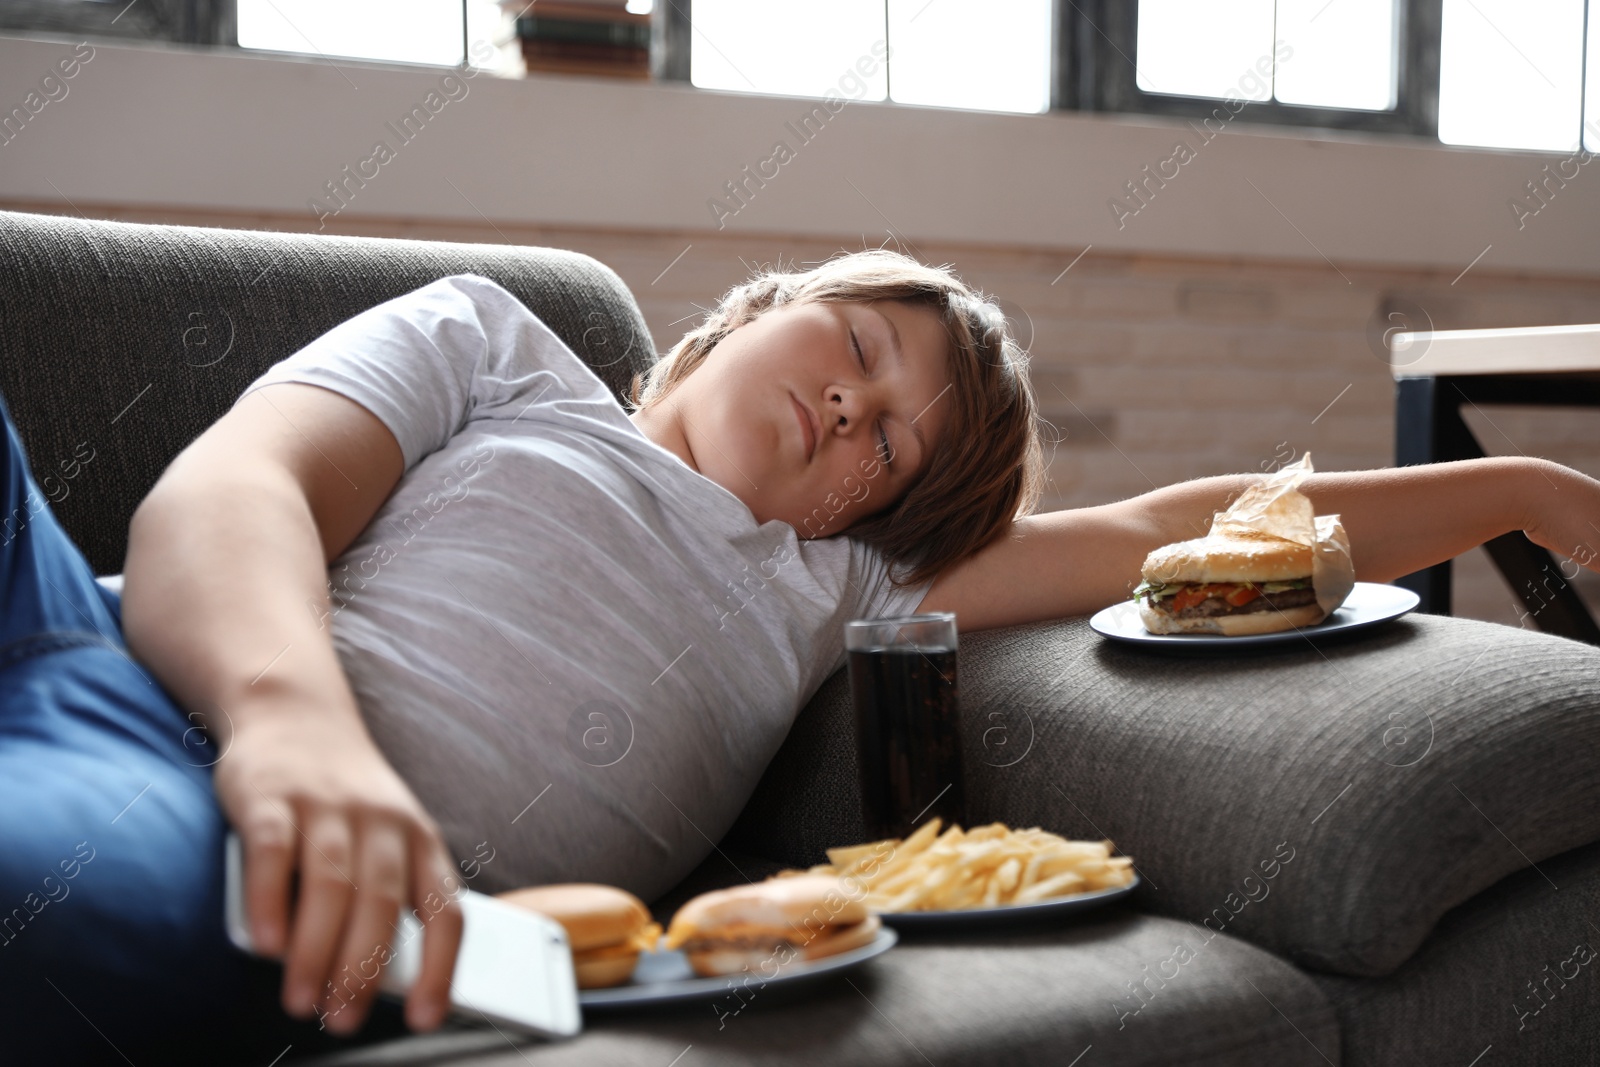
(988, 466)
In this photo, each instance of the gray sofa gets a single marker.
(1375, 850)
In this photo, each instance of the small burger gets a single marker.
(768, 924)
(1242, 583)
(607, 927)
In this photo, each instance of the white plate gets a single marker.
(665, 976)
(1004, 913)
(1367, 605)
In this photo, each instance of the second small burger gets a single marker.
(607, 927)
(805, 916)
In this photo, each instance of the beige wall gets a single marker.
(1153, 369)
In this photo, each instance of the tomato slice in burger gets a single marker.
(1196, 594)
(1237, 595)
(1242, 595)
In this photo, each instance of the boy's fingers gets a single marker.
(434, 891)
(383, 877)
(319, 914)
(269, 839)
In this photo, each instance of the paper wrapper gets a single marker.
(1277, 508)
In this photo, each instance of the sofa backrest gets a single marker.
(120, 343)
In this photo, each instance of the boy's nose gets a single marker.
(846, 408)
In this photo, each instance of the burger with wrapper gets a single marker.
(1268, 564)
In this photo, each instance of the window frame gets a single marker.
(1090, 74)
(1100, 34)
(191, 22)
(671, 33)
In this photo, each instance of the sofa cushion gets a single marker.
(1035, 995)
(152, 332)
(1515, 970)
(1329, 800)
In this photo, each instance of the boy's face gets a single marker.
(739, 418)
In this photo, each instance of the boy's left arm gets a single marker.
(1399, 520)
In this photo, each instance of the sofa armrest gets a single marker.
(124, 341)
(1329, 801)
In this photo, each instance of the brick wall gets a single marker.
(1153, 369)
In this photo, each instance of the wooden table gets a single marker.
(1436, 372)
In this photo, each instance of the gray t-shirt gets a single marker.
(580, 653)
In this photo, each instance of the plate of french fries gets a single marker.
(957, 876)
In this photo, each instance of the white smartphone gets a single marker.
(514, 966)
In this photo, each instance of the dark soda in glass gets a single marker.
(908, 733)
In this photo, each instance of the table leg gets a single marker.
(1429, 429)
(1547, 597)
(1423, 433)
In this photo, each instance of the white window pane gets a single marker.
(1218, 48)
(987, 55)
(1339, 53)
(1509, 73)
(406, 31)
(788, 47)
(1591, 107)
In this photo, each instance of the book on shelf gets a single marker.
(567, 57)
(578, 11)
(543, 27)
(577, 66)
(599, 8)
(594, 53)
(584, 37)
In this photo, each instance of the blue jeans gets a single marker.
(112, 944)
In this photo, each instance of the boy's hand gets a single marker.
(309, 793)
(1563, 515)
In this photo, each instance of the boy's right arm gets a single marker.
(225, 601)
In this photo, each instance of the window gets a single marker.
(432, 32)
(1194, 49)
(1362, 64)
(986, 55)
(405, 31)
(1511, 75)
(788, 48)
(1319, 53)
(1345, 53)
(1490, 73)
(992, 55)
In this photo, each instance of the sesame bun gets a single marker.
(772, 922)
(607, 927)
(1235, 558)
(1258, 622)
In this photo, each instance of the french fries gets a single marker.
(984, 867)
